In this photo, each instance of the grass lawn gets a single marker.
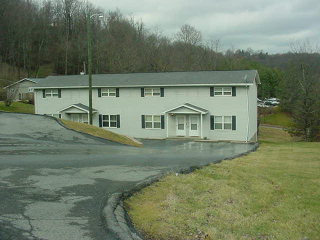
(99, 132)
(278, 119)
(273, 193)
(18, 107)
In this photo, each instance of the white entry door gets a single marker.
(79, 117)
(181, 125)
(194, 126)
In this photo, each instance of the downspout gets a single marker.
(201, 132)
(167, 115)
(35, 101)
(247, 138)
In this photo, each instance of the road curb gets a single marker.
(115, 216)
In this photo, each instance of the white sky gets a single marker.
(268, 25)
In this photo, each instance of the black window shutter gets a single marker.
(142, 92)
(161, 92)
(234, 91)
(43, 93)
(162, 121)
(100, 120)
(118, 121)
(211, 91)
(234, 122)
(99, 92)
(117, 92)
(59, 93)
(143, 122)
(212, 122)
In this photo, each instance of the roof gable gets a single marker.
(34, 80)
(187, 108)
(77, 108)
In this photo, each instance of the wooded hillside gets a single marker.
(40, 38)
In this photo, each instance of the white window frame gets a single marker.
(107, 123)
(108, 92)
(152, 121)
(53, 92)
(148, 92)
(224, 122)
(224, 92)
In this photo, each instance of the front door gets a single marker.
(79, 117)
(193, 126)
(181, 125)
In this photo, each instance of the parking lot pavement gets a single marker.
(54, 182)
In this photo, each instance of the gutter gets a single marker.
(139, 86)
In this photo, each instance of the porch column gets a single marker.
(201, 135)
(167, 124)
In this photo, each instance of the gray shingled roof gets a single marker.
(152, 79)
(35, 80)
(196, 107)
(81, 106)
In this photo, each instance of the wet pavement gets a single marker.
(54, 182)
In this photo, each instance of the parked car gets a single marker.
(272, 102)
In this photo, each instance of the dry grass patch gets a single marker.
(99, 132)
(272, 193)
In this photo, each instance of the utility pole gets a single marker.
(89, 40)
(89, 63)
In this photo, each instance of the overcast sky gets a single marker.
(268, 25)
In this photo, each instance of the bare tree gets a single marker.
(11, 94)
(189, 35)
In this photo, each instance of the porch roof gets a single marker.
(193, 108)
(81, 107)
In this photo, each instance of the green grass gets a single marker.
(18, 107)
(99, 132)
(278, 119)
(272, 193)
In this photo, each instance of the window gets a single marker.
(153, 121)
(223, 91)
(108, 92)
(109, 121)
(152, 92)
(51, 93)
(223, 122)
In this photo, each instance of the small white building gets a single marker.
(21, 90)
(215, 105)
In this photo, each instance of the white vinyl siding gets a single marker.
(223, 122)
(223, 91)
(153, 121)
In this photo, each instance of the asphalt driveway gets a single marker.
(54, 182)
